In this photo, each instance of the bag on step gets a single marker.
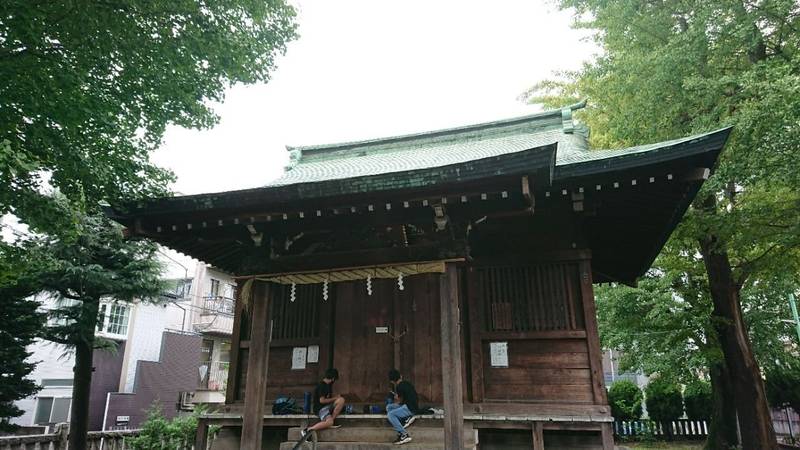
(285, 405)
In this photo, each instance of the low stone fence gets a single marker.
(97, 440)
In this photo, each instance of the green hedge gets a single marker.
(625, 399)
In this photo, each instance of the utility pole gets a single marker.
(796, 318)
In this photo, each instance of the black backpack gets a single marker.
(285, 405)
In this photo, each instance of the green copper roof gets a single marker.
(434, 149)
(311, 164)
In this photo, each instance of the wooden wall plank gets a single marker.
(592, 335)
(536, 375)
(555, 393)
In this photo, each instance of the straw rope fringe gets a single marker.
(351, 274)
(247, 293)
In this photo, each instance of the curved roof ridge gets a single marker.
(519, 120)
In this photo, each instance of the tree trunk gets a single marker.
(755, 421)
(722, 431)
(81, 384)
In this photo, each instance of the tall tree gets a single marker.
(671, 68)
(21, 323)
(89, 88)
(100, 264)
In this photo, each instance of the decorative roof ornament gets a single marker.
(294, 158)
(400, 282)
(293, 294)
(369, 285)
(325, 290)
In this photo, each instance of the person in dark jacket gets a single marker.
(401, 412)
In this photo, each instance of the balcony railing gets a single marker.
(214, 375)
(218, 305)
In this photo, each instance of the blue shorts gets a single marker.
(324, 412)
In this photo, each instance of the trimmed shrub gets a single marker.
(663, 399)
(699, 400)
(625, 399)
(783, 386)
(160, 432)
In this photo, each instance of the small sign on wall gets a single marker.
(313, 353)
(498, 354)
(381, 330)
(299, 358)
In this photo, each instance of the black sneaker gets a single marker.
(408, 421)
(402, 439)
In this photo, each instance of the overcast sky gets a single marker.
(364, 69)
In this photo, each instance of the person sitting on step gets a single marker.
(401, 412)
(326, 405)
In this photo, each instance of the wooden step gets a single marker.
(369, 446)
(385, 434)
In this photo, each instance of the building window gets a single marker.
(56, 382)
(52, 410)
(118, 319)
(112, 318)
(214, 291)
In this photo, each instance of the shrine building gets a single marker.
(463, 257)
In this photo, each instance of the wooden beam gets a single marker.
(451, 360)
(358, 258)
(528, 193)
(475, 313)
(592, 335)
(258, 357)
(538, 436)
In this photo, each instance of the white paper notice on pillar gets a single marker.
(299, 358)
(498, 353)
(313, 354)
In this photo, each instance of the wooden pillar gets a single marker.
(232, 388)
(258, 356)
(201, 435)
(538, 436)
(451, 360)
(607, 434)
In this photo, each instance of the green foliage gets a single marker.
(21, 324)
(160, 432)
(783, 385)
(663, 399)
(670, 69)
(100, 263)
(698, 400)
(625, 399)
(89, 88)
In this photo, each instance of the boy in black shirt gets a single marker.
(326, 405)
(401, 412)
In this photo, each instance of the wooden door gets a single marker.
(362, 352)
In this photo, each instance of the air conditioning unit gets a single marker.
(186, 401)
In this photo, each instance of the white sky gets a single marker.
(365, 69)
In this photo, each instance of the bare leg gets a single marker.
(327, 423)
(338, 405)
